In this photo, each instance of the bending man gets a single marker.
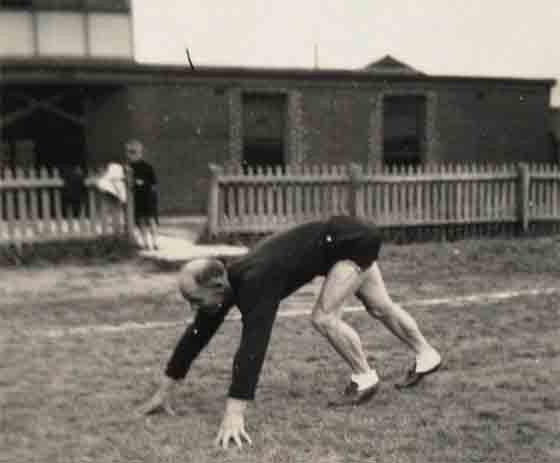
(345, 251)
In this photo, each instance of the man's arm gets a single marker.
(247, 365)
(194, 339)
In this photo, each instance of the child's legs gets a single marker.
(143, 230)
(152, 224)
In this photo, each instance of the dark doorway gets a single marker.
(264, 117)
(43, 126)
(404, 129)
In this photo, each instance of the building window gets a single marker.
(264, 128)
(61, 33)
(404, 129)
(109, 35)
(72, 5)
(15, 4)
(109, 6)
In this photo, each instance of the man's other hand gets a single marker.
(156, 405)
(159, 402)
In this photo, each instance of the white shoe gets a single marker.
(365, 380)
(427, 361)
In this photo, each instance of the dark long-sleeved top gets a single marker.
(274, 269)
(145, 184)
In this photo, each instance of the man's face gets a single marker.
(211, 297)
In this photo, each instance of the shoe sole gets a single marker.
(418, 377)
(363, 398)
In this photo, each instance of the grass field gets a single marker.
(68, 396)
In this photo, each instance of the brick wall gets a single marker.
(492, 124)
(554, 128)
(186, 125)
(335, 125)
(184, 128)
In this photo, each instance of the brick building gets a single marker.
(555, 131)
(79, 103)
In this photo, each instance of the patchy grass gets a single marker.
(83, 252)
(70, 398)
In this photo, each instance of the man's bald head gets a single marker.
(200, 273)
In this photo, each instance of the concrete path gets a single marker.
(177, 243)
(176, 250)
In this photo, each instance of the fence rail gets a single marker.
(33, 209)
(261, 200)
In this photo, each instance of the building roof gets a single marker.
(390, 66)
(80, 71)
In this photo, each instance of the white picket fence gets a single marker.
(31, 209)
(432, 195)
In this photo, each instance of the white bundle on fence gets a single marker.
(113, 181)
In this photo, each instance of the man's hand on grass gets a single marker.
(159, 402)
(233, 425)
(156, 404)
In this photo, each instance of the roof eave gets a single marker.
(130, 69)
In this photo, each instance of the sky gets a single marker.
(488, 38)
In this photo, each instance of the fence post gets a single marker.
(523, 204)
(129, 204)
(213, 210)
(356, 206)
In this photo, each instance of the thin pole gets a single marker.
(316, 56)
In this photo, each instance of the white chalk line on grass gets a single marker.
(292, 313)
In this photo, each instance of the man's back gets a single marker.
(287, 260)
(284, 261)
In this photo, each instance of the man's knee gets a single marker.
(323, 321)
(379, 309)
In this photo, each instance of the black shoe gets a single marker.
(353, 396)
(413, 377)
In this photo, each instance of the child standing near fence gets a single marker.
(145, 195)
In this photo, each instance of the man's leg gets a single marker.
(379, 305)
(342, 281)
